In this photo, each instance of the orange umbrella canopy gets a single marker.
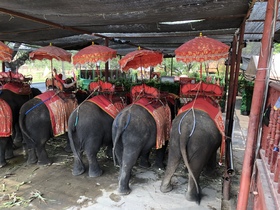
(140, 58)
(93, 54)
(201, 49)
(5, 53)
(50, 52)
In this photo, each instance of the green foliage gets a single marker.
(162, 86)
(276, 48)
(246, 88)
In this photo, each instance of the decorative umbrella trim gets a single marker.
(50, 52)
(140, 58)
(94, 54)
(5, 53)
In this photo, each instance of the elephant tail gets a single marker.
(119, 131)
(23, 127)
(72, 145)
(183, 143)
(74, 126)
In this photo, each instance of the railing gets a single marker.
(267, 182)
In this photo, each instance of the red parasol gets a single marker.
(140, 58)
(93, 54)
(5, 53)
(50, 52)
(201, 49)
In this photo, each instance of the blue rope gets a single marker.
(77, 118)
(179, 127)
(127, 122)
(37, 105)
(117, 120)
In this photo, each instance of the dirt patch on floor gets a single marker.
(54, 187)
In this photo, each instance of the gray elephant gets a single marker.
(44, 117)
(90, 128)
(195, 136)
(12, 97)
(136, 131)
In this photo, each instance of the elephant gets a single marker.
(135, 132)
(14, 96)
(196, 137)
(90, 128)
(44, 117)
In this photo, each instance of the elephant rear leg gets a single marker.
(9, 149)
(42, 154)
(91, 151)
(144, 159)
(128, 161)
(174, 157)
(3, 144)
(78, 166)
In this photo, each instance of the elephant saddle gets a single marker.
(162, 115)
(6, 119)
(18, 88)
(209, 106)
(112, 108)
(60, 107)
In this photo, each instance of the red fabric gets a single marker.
(101, 86)
(59, 78)
(213, 110)
(18, 88)
(93, 54)
(106, 105)
(201, 49)
(201, 88)
(50, 52)
(162, 116)
(144, 90)
(6, 119)
(5, 53)
(140, 58)
(59, 109)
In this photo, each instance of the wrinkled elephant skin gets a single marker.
(134, 135)
(35, 123)
(15, 101)
(89, 129)
(200, 148)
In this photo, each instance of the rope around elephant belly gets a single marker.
(42, 102)
(77, 109)
(181, 120)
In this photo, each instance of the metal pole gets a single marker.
(257, 101)
(226, 183)
(107, 63)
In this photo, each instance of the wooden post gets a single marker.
(257, 101)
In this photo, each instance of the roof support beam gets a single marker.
(55, 25)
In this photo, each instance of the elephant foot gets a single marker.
(159, 165)
(2, 164)
(144, 164)
(78, 171)
(44, 163)
(32, 157)
(68, 149)
(193, 197)
(166, 188)
(124, 191)
(95, 173)
(9, 155)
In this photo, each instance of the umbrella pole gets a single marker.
(52, 74)
(200, 71)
